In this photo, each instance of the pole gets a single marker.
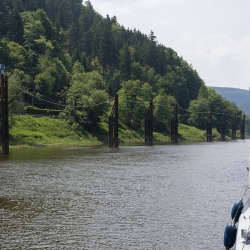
(5, 114)
(116, 122)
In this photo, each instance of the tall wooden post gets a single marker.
(223, 128)
(4, 114)
(116, 122)
(174, 126)
(111, 131)
(113, 124)
(242, 128)
(148, 126)
(177, 121)
(209, 128)
(234, 128)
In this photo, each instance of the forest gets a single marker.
(239, 96)
(65, 55)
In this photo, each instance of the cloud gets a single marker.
(209, 34)
(219, 58)
(215, 47)
(147, 4)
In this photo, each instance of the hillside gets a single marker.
(62, 54)
(26, 130)
(240, 96)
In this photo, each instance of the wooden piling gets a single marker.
(4, 115)
(223, 128)
(174, 126)
(148, 126)
(234, 128)
(116, 122)
(113, 125)
(209, 128)
(242, 128)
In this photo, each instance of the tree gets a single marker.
(51, 79)
(125, 63)
(15, 27)
(208, 101)
(4, 52)
(18, 57)
(199, 113)
(33, 30)
(152, 36)
(86, 97)
(163, 110)
(18, 84)
(132, 107)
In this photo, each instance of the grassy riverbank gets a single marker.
(44, 131)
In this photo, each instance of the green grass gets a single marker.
(189, 133)
(45, 131)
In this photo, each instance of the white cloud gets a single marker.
(147, 3)
(211, 35)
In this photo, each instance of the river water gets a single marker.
(133, 197)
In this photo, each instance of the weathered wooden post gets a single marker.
(222, 128)
(116, 122)
(209, 128)
(4, 112)
(111, 131)
(242, 128)
(148, 126)
(234, 128)
(113, 124)
(174, 126)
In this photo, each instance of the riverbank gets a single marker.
(29, 131)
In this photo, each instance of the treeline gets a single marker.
(240, 96)
(64, 52)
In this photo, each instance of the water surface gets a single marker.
(159, 197)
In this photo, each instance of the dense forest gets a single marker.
(65, 54)
(240, 96)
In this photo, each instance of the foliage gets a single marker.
(208, 101)
(86, 97)
(240, 97)
(163, 111)
(64, 52)
(132, 108)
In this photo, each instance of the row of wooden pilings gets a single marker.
(223, 128)
(148, 126)
(113, 123)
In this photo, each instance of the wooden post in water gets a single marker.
(242, 128)
(113, 124)
(222, 128)
(148, 126)
(234, 128)
(209, 128)
(176, 123)
(116, 122)
(4, 115)
(111, 131)
(174, 126)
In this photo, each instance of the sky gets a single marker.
(211, 35)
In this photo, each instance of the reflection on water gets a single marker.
(160, 197)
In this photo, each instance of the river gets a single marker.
(134, 197)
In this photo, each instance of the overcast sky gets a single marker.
(212, 35)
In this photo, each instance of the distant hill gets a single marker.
(240, 96)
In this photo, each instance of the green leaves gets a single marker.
(163, 111)
(51, 78)
(88, 92)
